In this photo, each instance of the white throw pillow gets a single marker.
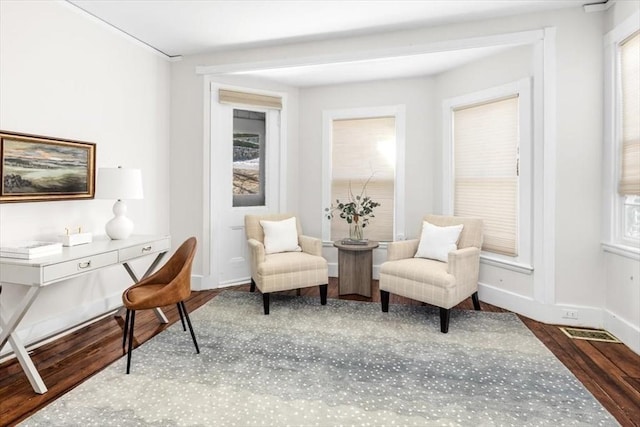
(436, 242)
(280, 236)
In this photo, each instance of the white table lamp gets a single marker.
(119, 183)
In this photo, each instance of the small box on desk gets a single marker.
(76, 239)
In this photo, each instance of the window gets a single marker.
(489, 156)
(250, 130)
(363, 152)
(629, 185)
(360, 145)
(622, 133)
(485, 146)
(249, 145)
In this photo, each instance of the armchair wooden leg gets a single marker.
(444, 319)
(476, 301)
(384, 299)
(265, 303)
(193, 336)
(252, 288)
(323, 294)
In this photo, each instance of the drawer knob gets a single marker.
(146, 249)
(83, 265)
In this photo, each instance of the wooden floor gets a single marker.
(611, 372)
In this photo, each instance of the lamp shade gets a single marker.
(119, 183)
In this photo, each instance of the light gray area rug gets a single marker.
(346, 363)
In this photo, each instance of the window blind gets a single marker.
(485, 141)
(630, 85)
(227, 96)
(361, 147)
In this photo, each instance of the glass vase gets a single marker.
(355, 231)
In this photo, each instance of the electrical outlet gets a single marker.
(570, 314)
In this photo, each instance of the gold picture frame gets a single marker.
(40, 168)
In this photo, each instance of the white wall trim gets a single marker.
(514, 39)
(623, 330)
(590, 317)
(545, 284)
(622, 250)
(489, 259)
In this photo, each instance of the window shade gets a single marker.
(485, 170)
(630, 84)
(226, 96)
(361, 147)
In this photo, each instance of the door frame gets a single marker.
(211, 245)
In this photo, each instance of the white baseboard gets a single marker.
(197, 282)
(590, 317)
(202, 283)
(623, 330)
(333, 269)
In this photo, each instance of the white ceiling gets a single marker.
(188, 27)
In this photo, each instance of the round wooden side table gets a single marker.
(355, 264)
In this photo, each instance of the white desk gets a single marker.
(71, 262)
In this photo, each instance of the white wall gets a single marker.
(67, 75)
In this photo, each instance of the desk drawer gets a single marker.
(77, 266)
(143, 249)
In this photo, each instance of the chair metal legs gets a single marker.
(193, 336)
(184, 328)
(126, 328)
(132, 320)
(129, 322)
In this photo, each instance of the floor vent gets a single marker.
(589, 334)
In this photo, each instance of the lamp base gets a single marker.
(119, 227)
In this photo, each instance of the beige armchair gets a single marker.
(285, 270)
(443, 284)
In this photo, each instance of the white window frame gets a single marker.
(523, 261)
(614, 239)
(328, 116)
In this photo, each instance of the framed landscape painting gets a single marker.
(39, 168)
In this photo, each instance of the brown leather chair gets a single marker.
(171, 284)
